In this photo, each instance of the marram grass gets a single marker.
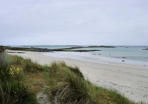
(68, 86)
(63, 84)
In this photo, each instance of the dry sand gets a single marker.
(129, 80)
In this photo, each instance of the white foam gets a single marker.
(93, 57)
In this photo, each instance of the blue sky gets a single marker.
(85, 22)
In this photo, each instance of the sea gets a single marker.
(124, 54)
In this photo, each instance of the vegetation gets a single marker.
(68, 86)
(21, 79)
(1, 53)
(12, 88)
(2, 49)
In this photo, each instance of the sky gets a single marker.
(73, 22)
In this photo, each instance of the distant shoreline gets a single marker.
(124, 54)
(58, 49)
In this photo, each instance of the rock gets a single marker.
(145, 49)
(42, 98)
(123, 60)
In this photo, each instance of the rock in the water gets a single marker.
(145, 49)
(123, 60)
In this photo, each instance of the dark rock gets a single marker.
(145, 49)
(123, 60)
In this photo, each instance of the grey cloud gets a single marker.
(74, 22)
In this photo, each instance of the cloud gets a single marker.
(74, 22)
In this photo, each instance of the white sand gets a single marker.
(130, 80)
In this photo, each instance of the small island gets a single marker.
(101, 46)
(145, 49)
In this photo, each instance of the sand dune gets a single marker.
(130, 80)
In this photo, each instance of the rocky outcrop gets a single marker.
(145, 49)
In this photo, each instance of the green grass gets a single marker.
(63, 84)
(12, 88)
(2, 49)
(68, 86)
(15, 92)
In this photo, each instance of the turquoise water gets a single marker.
(131, 52)
(119, 52)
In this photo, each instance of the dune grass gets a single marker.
(12, 88)
(68, 86)
(63, 84)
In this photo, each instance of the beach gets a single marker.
(130, 80)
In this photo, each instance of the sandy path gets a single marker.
(130, 80)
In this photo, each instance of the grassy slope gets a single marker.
(63, 84)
